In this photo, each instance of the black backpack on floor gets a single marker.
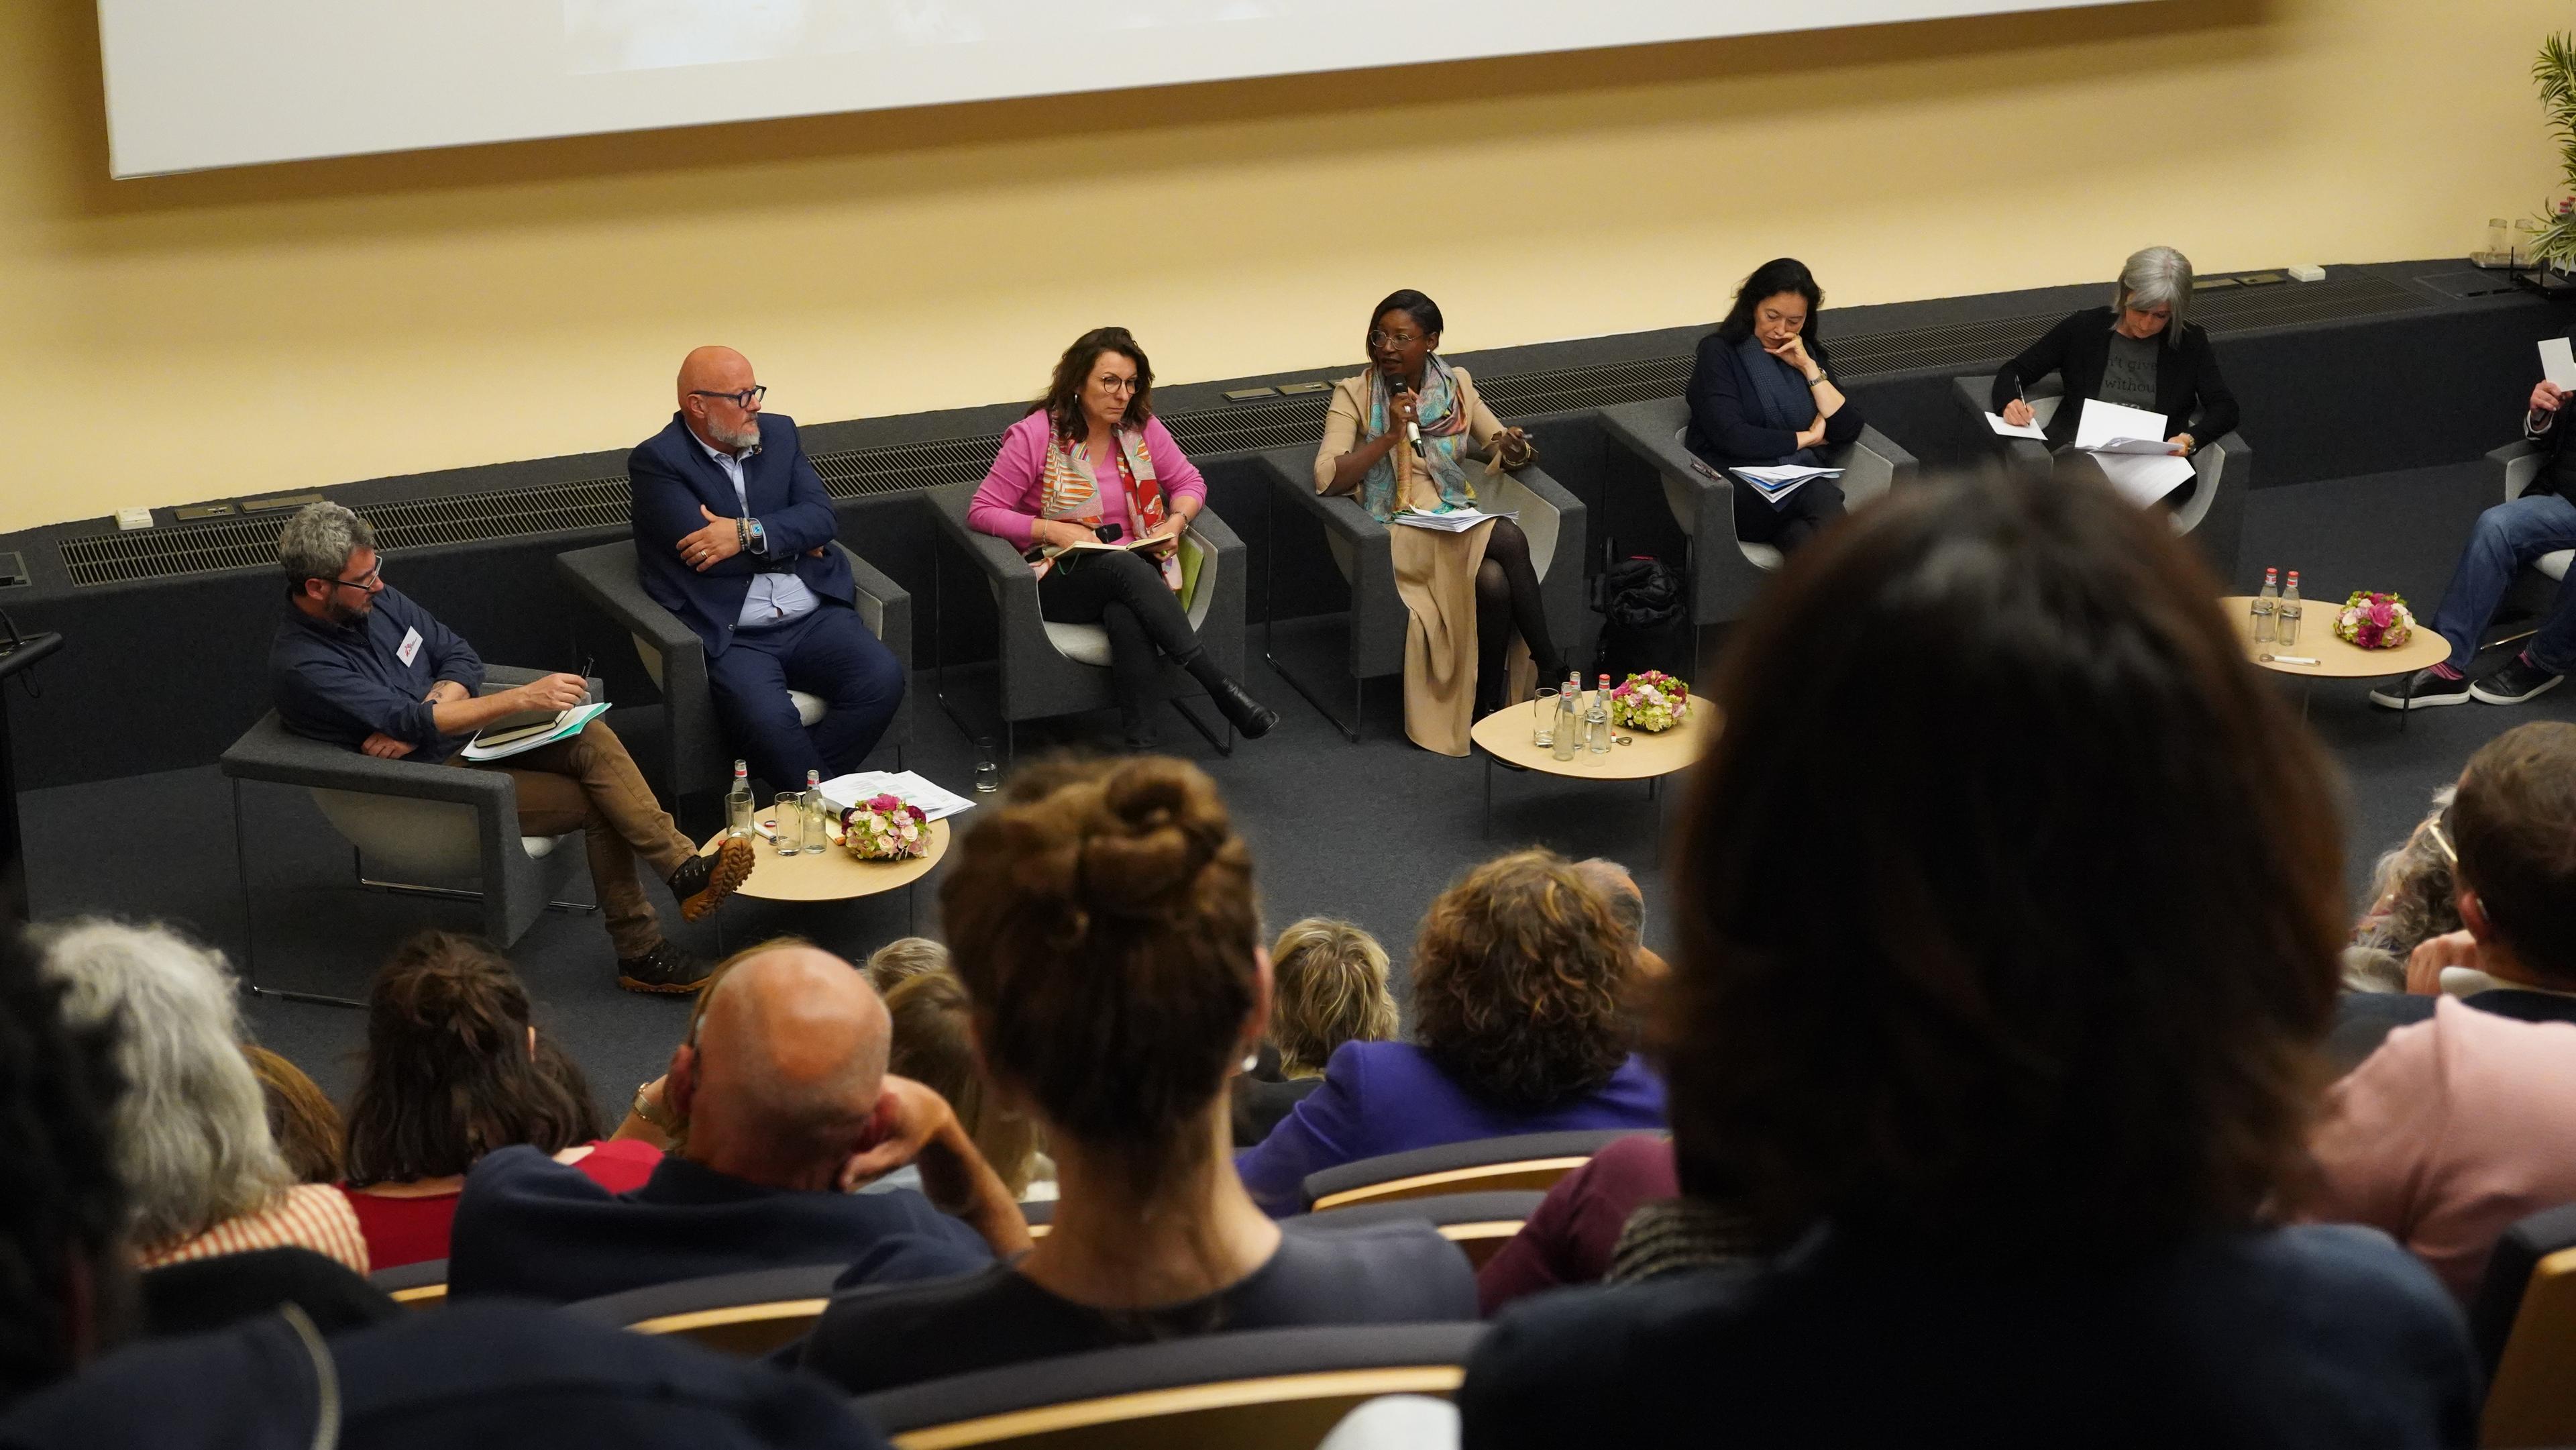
(1645, 608)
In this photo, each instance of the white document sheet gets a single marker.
(1447, 521)
(2105, 425)
(1776, 483)
(2009, 430)
(2142, 478)
(845, 791)
(2558, 363)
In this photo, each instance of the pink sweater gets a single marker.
(1008, 502)
(2455, 1128)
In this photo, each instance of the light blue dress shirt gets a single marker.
(775, 598)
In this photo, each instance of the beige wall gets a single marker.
(198, 336)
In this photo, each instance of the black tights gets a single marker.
(1127, 597)
(1507, 596)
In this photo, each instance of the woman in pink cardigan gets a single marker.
(1091, 465)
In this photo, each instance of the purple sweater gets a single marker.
(1008, 502)
(1388, 1097)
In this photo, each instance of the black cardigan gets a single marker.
(2189, 391)
(1722, 428)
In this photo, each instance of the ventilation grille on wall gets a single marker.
(163, 553)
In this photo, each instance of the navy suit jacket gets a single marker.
(671, 476)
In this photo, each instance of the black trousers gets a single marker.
(1126, 596)
(1818, 502)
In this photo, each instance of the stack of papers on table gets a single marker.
(1776, 484)
(2129, 444)
(845, 791)
(1447, 521)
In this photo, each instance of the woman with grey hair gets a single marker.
(192, 1139)
(2141, 352)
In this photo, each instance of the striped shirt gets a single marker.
(312, 1216)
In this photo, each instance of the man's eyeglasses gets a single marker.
(743, 399)
(2439, 828)
(365, 583)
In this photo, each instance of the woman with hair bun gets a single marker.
(1105, 928)
(454, 1069)
(1522, 1024)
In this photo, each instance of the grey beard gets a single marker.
(749, 437)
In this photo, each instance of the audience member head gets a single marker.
(301, 1117)
(2078, 941)
(2413, 893)
(2514, 825)
(1779, 301)
(720, 398)
(901, 960)
(1404, 331)
(1328, 987)
(451, 1068)
(934, 1044)
(1103, 919)
(2154, 294)
(782, 1070)
(192, 1128)
(66, 1281)
(329, 555)
(1102, 381)
(1520, 983)
(1627, 902)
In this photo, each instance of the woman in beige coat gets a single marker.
(1394, 439)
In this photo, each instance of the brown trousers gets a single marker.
(590, 784)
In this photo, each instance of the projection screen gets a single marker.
(192, 85)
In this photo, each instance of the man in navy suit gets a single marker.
(733, 535)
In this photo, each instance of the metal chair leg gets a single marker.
(939, 667)
(1270, 633)
(250, 925)
(1223, 747)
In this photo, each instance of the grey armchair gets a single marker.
(1727, 572)
(1361, 548)
(2517, 466)
(1062, 669)
(438, 825)
(698, 756)
(2214, 515)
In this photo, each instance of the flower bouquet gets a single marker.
(883, 828)
(2375, 621)
(1650, 703)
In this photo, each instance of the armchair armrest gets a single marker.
(1014, 588)
(883, 605)
(269, 752)
(497, 678)
(2517, 464)
(606, 577)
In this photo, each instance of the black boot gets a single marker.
(1251, 719)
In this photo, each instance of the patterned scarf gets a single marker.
(1444, 434)
(1067, 491)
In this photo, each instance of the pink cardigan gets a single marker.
(2455, 1128)
(1008, 501)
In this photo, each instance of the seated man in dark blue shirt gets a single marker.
(356, 663)
(779, 1101)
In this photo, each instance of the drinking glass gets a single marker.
(1543, 726)
(988, 773)
(789, 808)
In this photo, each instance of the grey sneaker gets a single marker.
(2422, 691)
(2516, 681)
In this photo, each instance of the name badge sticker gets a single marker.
(410, 646)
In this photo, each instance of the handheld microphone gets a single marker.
(1412, 426)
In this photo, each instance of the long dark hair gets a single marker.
(1103, 922)
(2079, 941)
(1063, 401)
(448, 1075)
(1781, 274)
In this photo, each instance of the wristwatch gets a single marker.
(650, 1111)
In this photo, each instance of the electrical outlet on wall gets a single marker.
(134, 518)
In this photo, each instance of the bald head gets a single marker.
(789, 1061)
(1617, 889)
(713, 381)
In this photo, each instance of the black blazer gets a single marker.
(2189, 391)
(672, 476)
(1722, 428)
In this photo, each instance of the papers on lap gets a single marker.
(845, 791)
(501, 744)
(1776, 484)
(1447, 521)
(2129, 444)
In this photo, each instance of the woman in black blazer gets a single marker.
(2139, 352)
(1761, 394)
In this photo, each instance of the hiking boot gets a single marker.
(666, 968)
(2425, 690)
(2517, 680)
(703, 882)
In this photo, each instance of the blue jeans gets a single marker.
(828, 653)
(2506, 539)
